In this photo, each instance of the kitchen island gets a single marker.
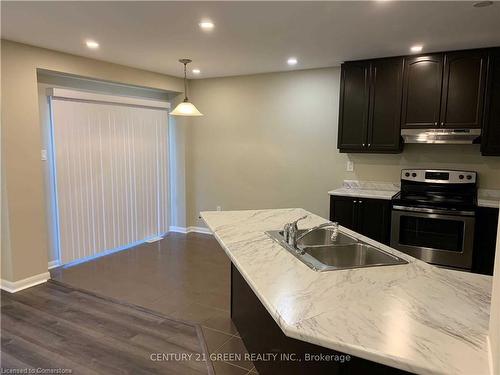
(413, 317)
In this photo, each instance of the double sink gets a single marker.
(323, 249)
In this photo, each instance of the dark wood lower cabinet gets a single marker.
(343, 210)
(369, 217)
(263, 337)
(485, 238)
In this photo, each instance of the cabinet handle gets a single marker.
(355, 201)
(360, 202)
(363, 145)
(369, 145)
(442, 123)
(435, 124)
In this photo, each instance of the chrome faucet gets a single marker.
(291, 230)
(334, 235)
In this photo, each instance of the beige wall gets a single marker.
(269, 140)
(26, 255)
(266, 141)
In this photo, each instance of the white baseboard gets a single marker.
(178, 229)
(190, 230)
(199, 230)
(54, 264)
(154, 239)
(16, 286)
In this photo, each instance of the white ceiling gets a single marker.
(249, 37)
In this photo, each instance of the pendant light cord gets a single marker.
(185, 84)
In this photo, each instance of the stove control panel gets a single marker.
(439, 176)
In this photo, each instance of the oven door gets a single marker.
(433, 236)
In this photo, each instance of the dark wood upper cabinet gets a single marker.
(463, 89)
(444, 90)
(422, 91)
(353, 113)
(449, 90)
(385, 105)
(370, 105)
(490, 144)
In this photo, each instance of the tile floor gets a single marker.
(183, 276)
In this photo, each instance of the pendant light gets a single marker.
(185, 108)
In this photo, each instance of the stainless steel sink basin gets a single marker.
(352, 256)
(322, 252)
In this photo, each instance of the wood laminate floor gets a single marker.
(57, 327)
(183, 276)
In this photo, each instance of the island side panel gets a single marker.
(494, 333)
(275, 353)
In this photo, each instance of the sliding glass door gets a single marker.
(110, 165)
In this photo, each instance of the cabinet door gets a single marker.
(374, 219)
(353, 113)
(490, 144)
(463, 89)
(422, 91)
(485, 238)
(385, 105)
(343, 211)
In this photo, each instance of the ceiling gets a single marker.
(249, 37)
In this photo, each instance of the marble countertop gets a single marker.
(366, 189)
(364, 193)
(488, 198)
(414, 317)
(382, 190)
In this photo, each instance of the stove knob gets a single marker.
(469, 177)
(461, 177)
(407, 174)
(414, 174)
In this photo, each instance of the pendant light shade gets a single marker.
(186, 108)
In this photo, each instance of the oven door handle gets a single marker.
(433, 211)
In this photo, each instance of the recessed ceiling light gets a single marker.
(92, 44)
(196, 71)
(206, 25)
(417, 48)
(292, 61)
(482, 4)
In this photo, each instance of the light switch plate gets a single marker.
(44, 155)
(349, 166)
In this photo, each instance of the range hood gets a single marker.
(442, 136)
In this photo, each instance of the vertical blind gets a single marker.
(111, 176)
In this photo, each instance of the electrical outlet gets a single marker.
(219, 208)
(44, 155)
(349, 166)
